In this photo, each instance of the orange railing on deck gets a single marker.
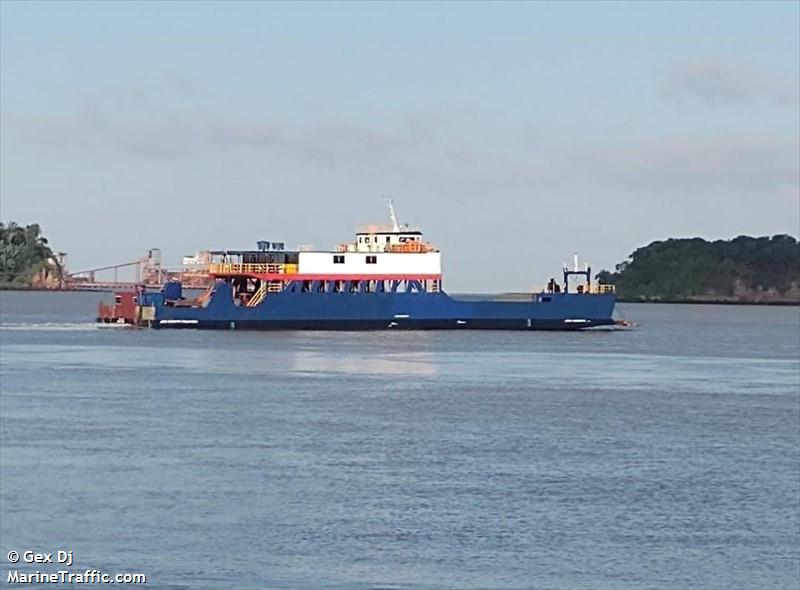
(217, 268)
(410, 247)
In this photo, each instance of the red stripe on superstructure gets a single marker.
(329, 277)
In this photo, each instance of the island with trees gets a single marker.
(742, 270)
(26, 260)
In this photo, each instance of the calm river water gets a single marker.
(665, 457)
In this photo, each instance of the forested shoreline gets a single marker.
(26, 259)
(742, 270)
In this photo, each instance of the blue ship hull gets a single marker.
(379, 311)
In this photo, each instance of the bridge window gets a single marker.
(372, 259)
(338, 259)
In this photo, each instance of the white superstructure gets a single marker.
(396, 250)
(365, 263)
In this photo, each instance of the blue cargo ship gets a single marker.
(386, 279)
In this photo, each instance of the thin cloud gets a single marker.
(715, 82)
(185, 87)
(160, 130)
(435, 149)
(719, 162)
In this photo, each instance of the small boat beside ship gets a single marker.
(387, 278)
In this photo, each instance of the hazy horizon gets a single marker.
(512, 134)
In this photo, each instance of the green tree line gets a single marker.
(685, 269)
(25, 255)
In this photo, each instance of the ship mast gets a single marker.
(396, 226)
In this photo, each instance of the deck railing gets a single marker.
(601, 288)
(405, 248)
(217, 268)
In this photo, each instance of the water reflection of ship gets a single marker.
(415, 364)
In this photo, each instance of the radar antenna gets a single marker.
(396, 226)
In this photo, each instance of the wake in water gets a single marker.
(50, 326)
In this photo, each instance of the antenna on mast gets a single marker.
(395, 225)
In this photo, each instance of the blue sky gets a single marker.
(512, 133)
